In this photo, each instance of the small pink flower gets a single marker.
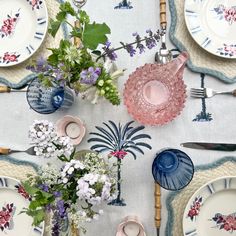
(119, 154)
(34, 2)
(227, 227)
(193, 212)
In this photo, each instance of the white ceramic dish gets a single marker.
(211, 211)
(23, 27)
(212, 24)
(13, 199)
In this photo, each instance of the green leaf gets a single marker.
(83, 17)
(61, 16)
(54, 27)
(95, 34)
(29, 189)
(67, 8)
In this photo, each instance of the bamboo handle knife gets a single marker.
(6, 89)
(163, 20)
(4, 151)
(157, 207)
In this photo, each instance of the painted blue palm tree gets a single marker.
(119, 141)
(203, 116)
(124, 4)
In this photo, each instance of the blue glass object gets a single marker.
(172, 169)
(46, 100)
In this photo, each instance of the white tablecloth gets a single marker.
(138, 184)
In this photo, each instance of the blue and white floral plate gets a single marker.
(23, 27)
(212, 24)
(211, 211)
(13, 199)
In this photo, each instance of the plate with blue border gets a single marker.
(212, 24)
(23, 27)
(211, 210)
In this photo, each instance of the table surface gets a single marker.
(138, 184)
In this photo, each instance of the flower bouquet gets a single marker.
(87, 67)
(70, 195)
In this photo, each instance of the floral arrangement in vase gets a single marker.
(87, 66)
(68, 194)
(119, 140)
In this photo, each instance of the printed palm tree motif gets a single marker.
(203, 115)
(119, 141)
(124, 4)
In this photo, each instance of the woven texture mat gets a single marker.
(15, 168)
(176, 202)
(200, 60)
(17, 76)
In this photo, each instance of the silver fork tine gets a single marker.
(197, 92)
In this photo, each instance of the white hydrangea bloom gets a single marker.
(44, 137)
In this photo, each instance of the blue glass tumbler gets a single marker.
(172, 169)
(46, 100)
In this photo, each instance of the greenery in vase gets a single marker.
(71, 194)
(81, 66)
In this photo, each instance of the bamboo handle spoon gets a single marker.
(158, 208)
(163, 21)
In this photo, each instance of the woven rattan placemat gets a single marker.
(17, 76)
(177, 201)
(200, 60)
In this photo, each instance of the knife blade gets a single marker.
(228, 147)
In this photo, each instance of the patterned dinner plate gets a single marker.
(212, 24)
(211, 211)
(23, 27)
(13, 199)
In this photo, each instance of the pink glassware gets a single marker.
(155, 94)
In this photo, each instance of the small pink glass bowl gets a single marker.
(71, 127)
(155, 94)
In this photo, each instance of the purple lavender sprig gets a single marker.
(149, 41)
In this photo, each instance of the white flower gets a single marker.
(71, 170)
(65, 180)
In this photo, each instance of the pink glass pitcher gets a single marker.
(155, 93)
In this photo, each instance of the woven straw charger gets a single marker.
(200, 60)
(17, 76)
(176, 202)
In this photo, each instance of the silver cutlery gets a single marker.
(6, 89)
(79, 3)
(229, 147)
(6, 151)
(208, 92)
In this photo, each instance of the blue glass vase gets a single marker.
(46, 100)
(172, 169)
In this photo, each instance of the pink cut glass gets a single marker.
(155, 94)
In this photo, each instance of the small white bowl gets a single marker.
(71, 127)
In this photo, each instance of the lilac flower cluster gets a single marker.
(109, 52)
(150, 41)
(90, 75)
(59, 73)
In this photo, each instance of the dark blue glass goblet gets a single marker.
(172, 169)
